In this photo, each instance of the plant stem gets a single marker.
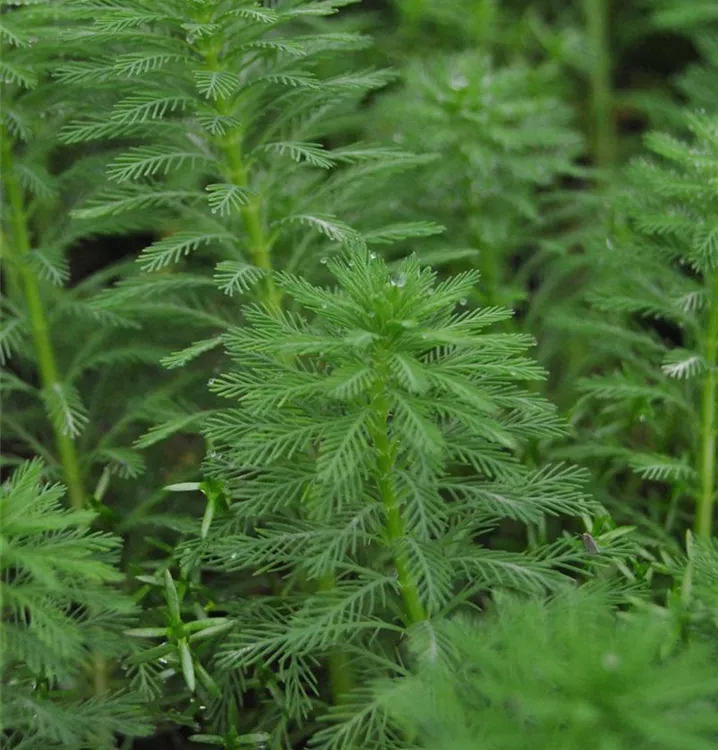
(259, 245)
(13, 289)
(704, 516)
(395, 526)
(603, 124)
(340, 676)
(19, 248)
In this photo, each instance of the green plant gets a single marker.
(559, 675)
(60, 607)
(372, 447)
(241, 158)
(28, 188)
(68, 349)
(235, 116)
(504, 138)
(659, 267)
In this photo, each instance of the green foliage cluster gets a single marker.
(560, 674)
(360, 374)
(61, 612)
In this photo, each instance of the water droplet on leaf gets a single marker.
(459, 82)
(399, 280)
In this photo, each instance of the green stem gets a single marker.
(704, 516)
(18, 248)
(340, 676)
(395, 526)
(259, 247)
(13, 288)
(603, 124)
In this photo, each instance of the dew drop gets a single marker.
(463, 301)
(324, 260)
(642, 418)
(210, 381)
(372, 256)
(324, 305)
(459, 82)
(399, 280)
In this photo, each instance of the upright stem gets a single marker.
(18, 247)
(704, 515)
(340, 676)
(259, 247)
(12, 286)
(395, 526)
(603, 124)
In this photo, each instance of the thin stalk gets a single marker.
(12, 286)
(259, 247)
(259, 244)
(340, 676)
(18, 248)
(707, 469)
(395, 525)
(603, 123)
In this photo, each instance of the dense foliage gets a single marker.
(360, 374)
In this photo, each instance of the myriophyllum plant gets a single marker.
(371, 447)
(236, 121)
(655, 331)
(60, 608)
(32, 246)
(562, 674)
(68, 353)
(506, 139)
(227, 124)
